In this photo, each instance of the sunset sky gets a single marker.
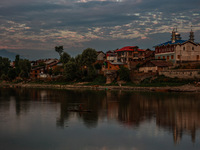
(37, 26)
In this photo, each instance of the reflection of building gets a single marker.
(179, 115)
(178, 50)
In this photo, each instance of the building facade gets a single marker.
(178, 50)
(130, 53)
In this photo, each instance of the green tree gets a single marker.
(17, 58)
(65, 57)
(124, 73)
(91, 73)
(4, 66)
(70, 69)
(89, 56)
(79, 66)
(12, 74)
(59, 49)
(25, 68)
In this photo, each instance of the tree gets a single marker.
(70, 69)
(91, 73)
(89, 56)
(78, 60)
(12, 74)
(25, 68)
(4, 66)
(17, 58)
(65, 57)
(124, 73)
(59, 49)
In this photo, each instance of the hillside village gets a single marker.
(174, 58)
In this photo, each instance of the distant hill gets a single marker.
(7, 54)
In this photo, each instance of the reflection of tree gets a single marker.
(177, 113)
(91, 100)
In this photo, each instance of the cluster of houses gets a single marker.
(44, 68)
(165, 55)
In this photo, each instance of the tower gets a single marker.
(173, 36)
(191, 36)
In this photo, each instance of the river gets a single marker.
(41, 119)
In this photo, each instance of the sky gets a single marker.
(35, 27)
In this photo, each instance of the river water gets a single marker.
(38, 119)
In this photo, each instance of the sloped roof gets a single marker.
(149, 53)
(170, 43)
(158, 62)
(126, 48)
(141, 50)
(176, 43)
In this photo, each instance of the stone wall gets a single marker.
(182, 73)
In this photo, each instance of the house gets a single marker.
(110, 66)
(51, 64)
(42, 68)
(36, 72)
(111, 56)
(130, 53)
(110, 70)
(114, 66)
(101, 56)
(149, 54)
(178, 50)
(155, 66)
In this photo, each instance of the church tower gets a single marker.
(191, 36)
(173, 36)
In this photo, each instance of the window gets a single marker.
(197, 57)
(158, 57)
(183, 48)
(167, 57)
(192, 48)
(163, 57)
(172, 56)
(179, 56)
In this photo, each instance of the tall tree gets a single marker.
(59, 49)
(89, 56)
(17, 69)
(25, 68)
(124, 74)
(4, 66)
(64, 58)
(70, 71)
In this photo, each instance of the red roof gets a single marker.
(141, 50)
(127, 48)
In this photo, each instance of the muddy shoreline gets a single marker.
(184, 88)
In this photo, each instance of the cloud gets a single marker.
(76, 23)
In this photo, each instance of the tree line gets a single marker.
(21, 68)
(83, 67)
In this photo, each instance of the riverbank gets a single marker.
(183, 88)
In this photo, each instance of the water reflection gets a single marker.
(177, 113)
